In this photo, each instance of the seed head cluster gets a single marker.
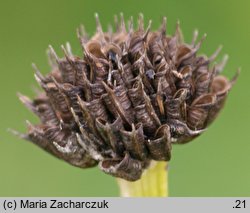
(133, 94)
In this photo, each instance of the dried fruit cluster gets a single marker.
(132, 95)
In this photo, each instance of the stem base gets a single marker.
(153, 183)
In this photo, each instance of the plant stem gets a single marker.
(153, 183)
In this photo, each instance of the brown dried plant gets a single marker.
(132, 95)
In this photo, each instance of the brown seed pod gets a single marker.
(125, 102)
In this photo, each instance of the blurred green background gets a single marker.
(215, 164)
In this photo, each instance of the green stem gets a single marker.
(153, 183)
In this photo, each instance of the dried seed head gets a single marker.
(131, 96)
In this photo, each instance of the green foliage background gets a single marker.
(215, 164)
